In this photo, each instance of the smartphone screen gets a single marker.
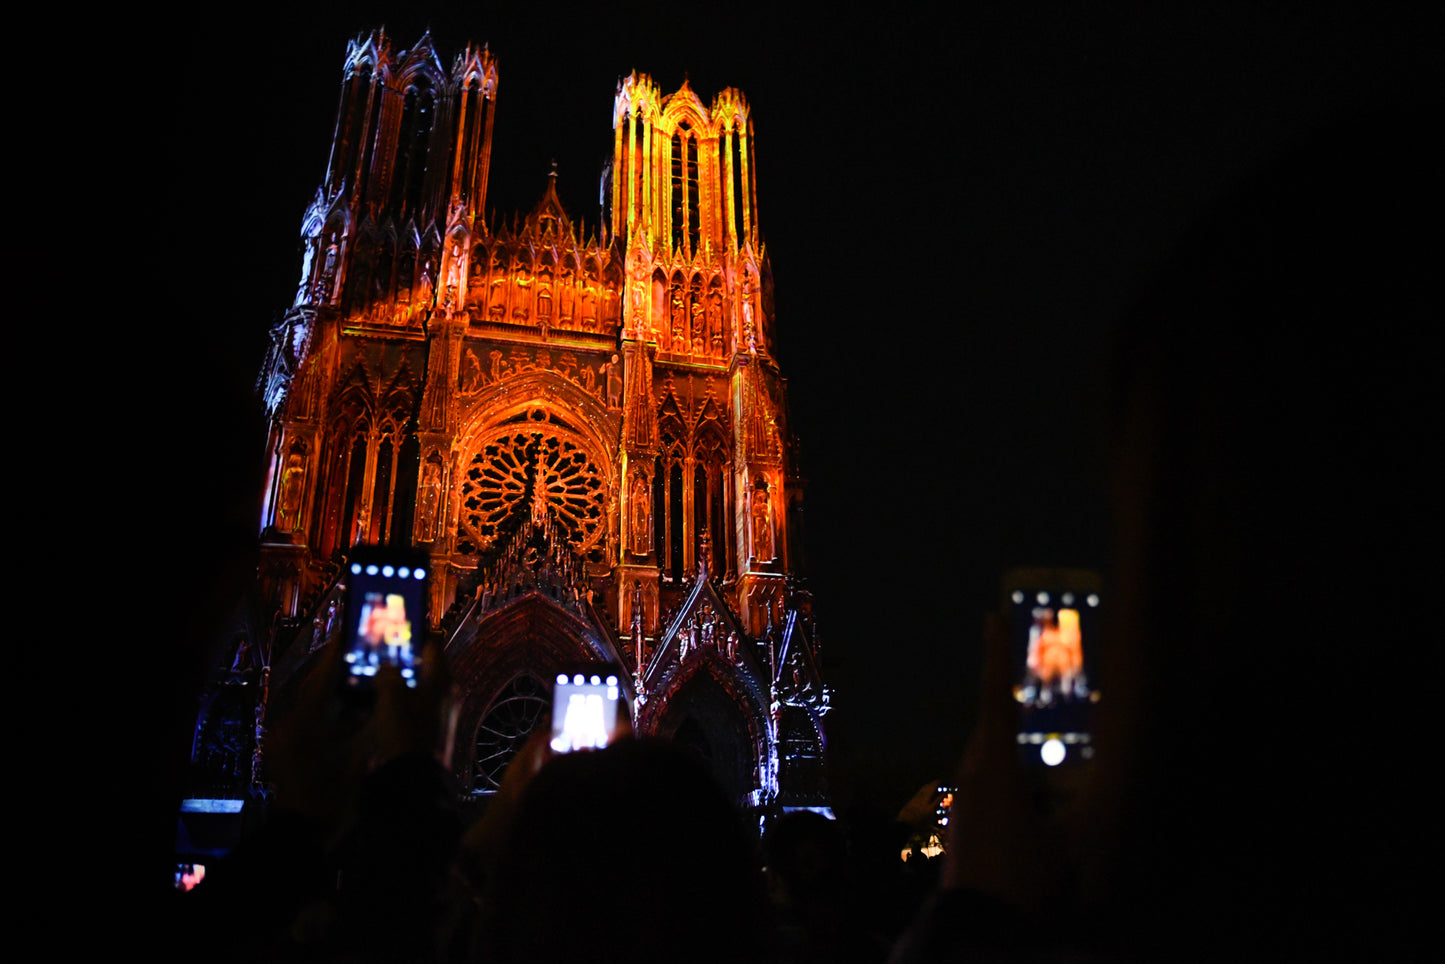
(385, 613)
(1053, 641)
(584, 711)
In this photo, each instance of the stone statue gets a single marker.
(679, 322)
(566, 292)
(762, 526)
(293, 481)
(609, 305)
(614, 383)
(471, 373)
(640, 506)
(714, 322)
(589, 307)
(431, 490)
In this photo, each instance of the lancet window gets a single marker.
(413, 140)
(686, 229)
(692, 494)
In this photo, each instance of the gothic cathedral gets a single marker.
(586, 430)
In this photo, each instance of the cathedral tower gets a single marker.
(586, 430)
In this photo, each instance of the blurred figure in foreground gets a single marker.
(1269, 500)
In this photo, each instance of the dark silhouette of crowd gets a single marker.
(1271, 441)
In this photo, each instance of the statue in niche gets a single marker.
(454, 271)
(328, 270)
(363, 523)
(679, 321)
(424, 285)
(566, 363)
(637, 313)
(762, 525)
(749, 332)
(565, 295)
(544, 360)
(714, 323)
(614, 383)
(293, 482)
(308, 253)
(524, 286)
(589, 379)
(732, 647)
(589, 306)
(471, 373)
(640, 504)
(431, 492)
(496, 357)
(497, 299)
(609, 305)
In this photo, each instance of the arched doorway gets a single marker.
(704, 718)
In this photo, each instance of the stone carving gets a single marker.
(714, 323)
(431, 491)
(293, 483)
(471, 379)
(603, 381)
(614, 383)
(762, 525)
(565, 297)
(520, 308)
(640, 506)
(679, 320)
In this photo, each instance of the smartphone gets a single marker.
(584, 710)
(1053, 619)
(386, 595)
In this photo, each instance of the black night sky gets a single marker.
(959, 209)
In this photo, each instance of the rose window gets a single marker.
(500, 483)
(520, 709)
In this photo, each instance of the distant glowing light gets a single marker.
(387, 571)
(418, 574)
(1093, 599)
(371, 569)
(611, 680)
(1018, 596)
(595, 680)
(356, 568)
(578, 680)
(1067, 599)
(403, 572)
(211, 805)
(1052, 752)
(1043, 598)
(562, 678)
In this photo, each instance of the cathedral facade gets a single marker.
(587, 435)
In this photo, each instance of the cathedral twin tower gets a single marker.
(588, 435)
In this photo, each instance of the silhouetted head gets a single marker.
(628, 853)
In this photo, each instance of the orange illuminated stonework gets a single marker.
(588, 435)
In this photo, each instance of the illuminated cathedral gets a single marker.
(584, 428)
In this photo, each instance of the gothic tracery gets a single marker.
(582, 424)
